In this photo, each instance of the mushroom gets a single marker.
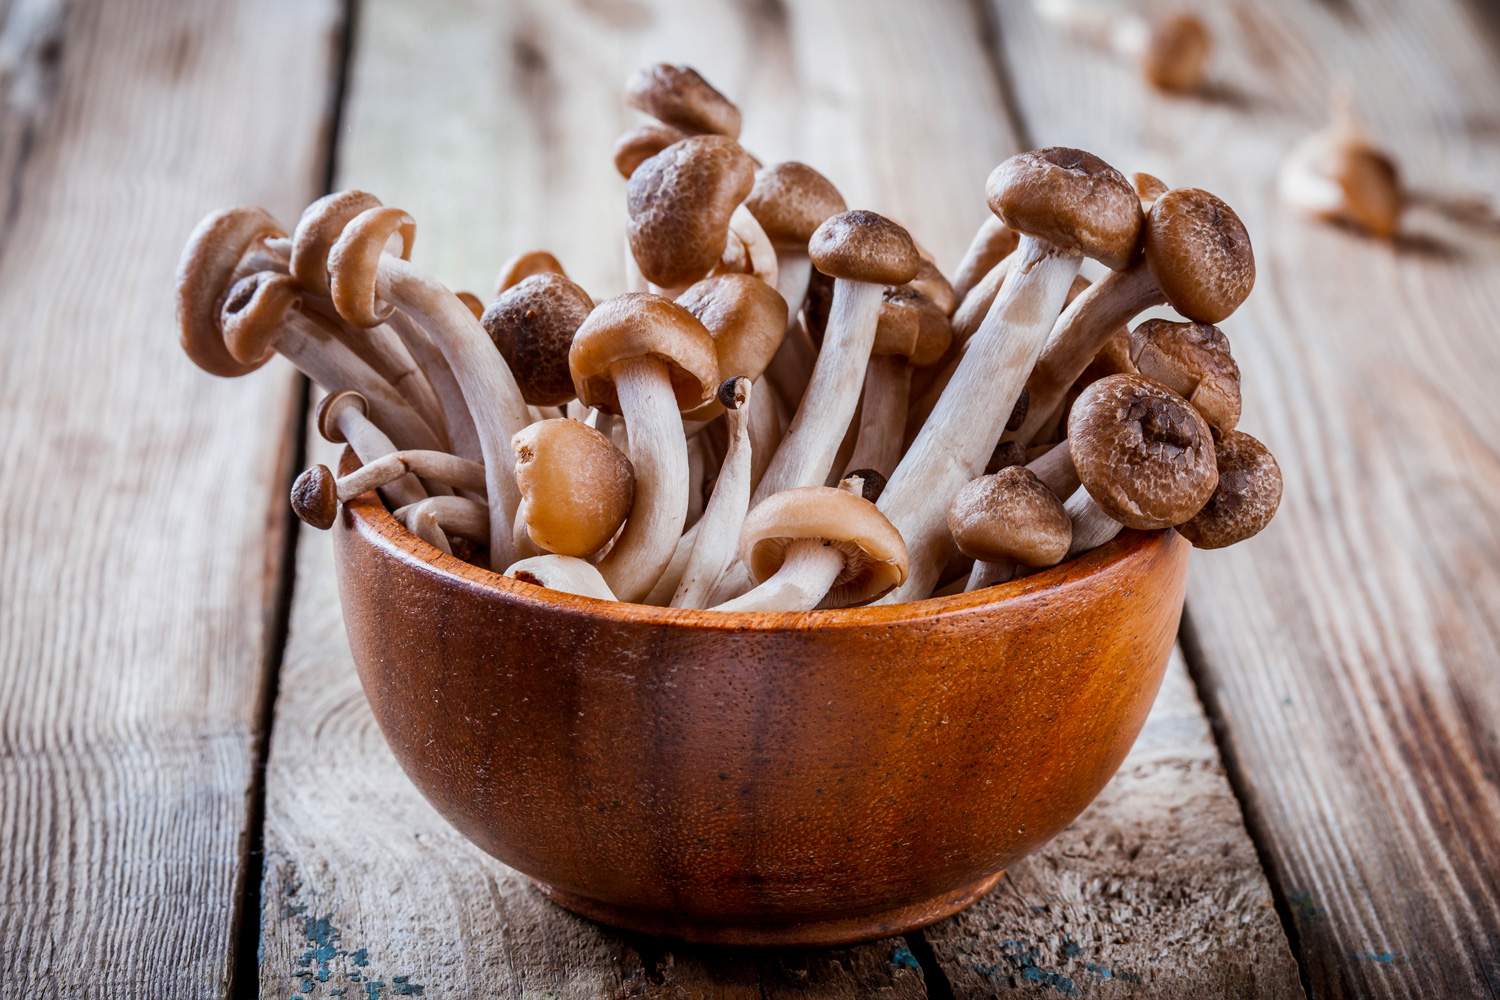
(524, 265)
(342, 417)
(643, 142)
(748, 249)
(646, 358)
(435, 518)
(815, 545)
(1144, 456)
(718, 531)
(1248, 493)
(368, 284)
(565, 574)
(1007, 518)
(1337, 175)
(532, 324)
(862, 252)
(1172, 50)
(1193, 360)
(576, 487)
(680, 202)
(676, 95)
(912, 332)
(1149, 188)
(316, 494)
(993, 241)
(746, 319)
(1066, 204)
(1197, 258)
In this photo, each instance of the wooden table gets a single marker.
(189, 775)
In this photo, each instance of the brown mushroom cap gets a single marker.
(899, 323)
(213, 259)
(790, 201)
(1071, 199)
(532, 325)
(524, 265)
(1199, 253)
(1010, 516)
(318, 230)
(1006, 454)
(354, 262)
(746, 318)
(1149, 187)
(643, 142)
(1177, 52)
(678, 96)
(1248, 494)
(680, 202)
(327, 414)
(315, 497)
(576, 486)
(252, 312)
(875, 561)
(863, 246)
(635, 325)
(931, 283)
(1142, 451)
(471, 302)
(1193, 360)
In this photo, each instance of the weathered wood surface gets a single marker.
(139, 521)
(904, 113)
(1351, 650)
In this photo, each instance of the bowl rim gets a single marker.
(372, 520)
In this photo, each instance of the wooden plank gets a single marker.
(1351, 650)
(140, 515)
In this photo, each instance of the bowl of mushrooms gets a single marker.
(793, 593)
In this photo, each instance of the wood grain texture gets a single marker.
(139, 530)
(1352, 648)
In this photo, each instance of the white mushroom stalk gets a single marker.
(718, 531)
(882, 415)
(456, 417)
(456, 516)
(342, 418)
(566, 574)
(993, 242)
(809, 571)
(1092, 527)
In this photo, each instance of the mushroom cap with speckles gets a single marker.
(863, 246)
(636, 325)
(875, 560)
(1193, 360)
(643, 142)
(1069, 198)
(318, 230)
(1143, 452)
(532, 325)
(680, 202)
(677, 95)
(221, 250)
(327, 415)
(1010, 516)
(747, 320)
(1247, 496)
(524, 265)
(790, 201)
(576, 486)
(1199, 253)
(315, 497)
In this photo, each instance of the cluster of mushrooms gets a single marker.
(792, 407)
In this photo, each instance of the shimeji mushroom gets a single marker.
(316, 494)
(565, 574)
(817, 546)
(863, 252)
(1248, 493)
(1005, 519)
(1172, 50)
(1197, 258)
(746, 319)
(435, 518)
(676, 95)
(532, 324)
(342, 417)
(680, 202)
(993, 242)
(1145, 458)
(641, 143)
(912, 333)
(1193, 360)
(368, 284)
(1336, 174)
(524, 265)
(1067, 204)
(576, 487)
(647, 358)
(718, 531)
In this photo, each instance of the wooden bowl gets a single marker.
(803, 779)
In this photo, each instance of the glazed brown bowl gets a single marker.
(806, 778)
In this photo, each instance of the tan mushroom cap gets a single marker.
(315, 497)
(864, 246)
(911, 326)
(1248, 494)
(1199, 253)
(576, 486)
(532, 325)
(677, 95)
(318, 230)
(471, 302)
(791, 200)
(636, 325)
(252, 312)
(354, 262)
(213, 259)
(1177, 53)
(933, 284)
(1149, 187)
(680, 202)
(747, 320)
(643, 142)
(524, 265)
(1193, 360)
(875, 561)
(1071, 199)
(333, 404)
(1010, 516)
(1142, 451)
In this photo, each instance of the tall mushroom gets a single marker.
(647, 358)
(1005, 519)
(532, 324)
(576, 487)
(718, 531)
(1067, 204)
(680, 202)
(316, 494)
(1246, 498)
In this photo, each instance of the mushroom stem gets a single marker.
(454, 515)
(804, 579)
(658, 451)
(993, 241)
(383, 349)
(806, 453)
(987, 574)
(436, 465)
(882, 415)
(370, 444)
(635, 281)
(718, 531)
(1092, 527)
(954, 444)
(1055, 468)
(566, 574)
(766, 428)
(456, 418)
(792, 365)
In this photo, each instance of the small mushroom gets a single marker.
(643, 142)
(993, 242)
(524, 265)
(680, 202)
(1149, 188)
(1337, 175)
(931, 283)
(1172, 50)
(718, 531)
(1193, 360)
(1247, 496)
(532, 324)
(1005, 519)
(912, 332)
(817, 546)
(565, 574)
(342, 417)
(647, 358)
(576, 487)
(316, 494)
(676, 95)
(746, 319)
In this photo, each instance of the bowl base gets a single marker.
(807, 934)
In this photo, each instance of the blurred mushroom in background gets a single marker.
(1172, 49)
(1337, 175)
